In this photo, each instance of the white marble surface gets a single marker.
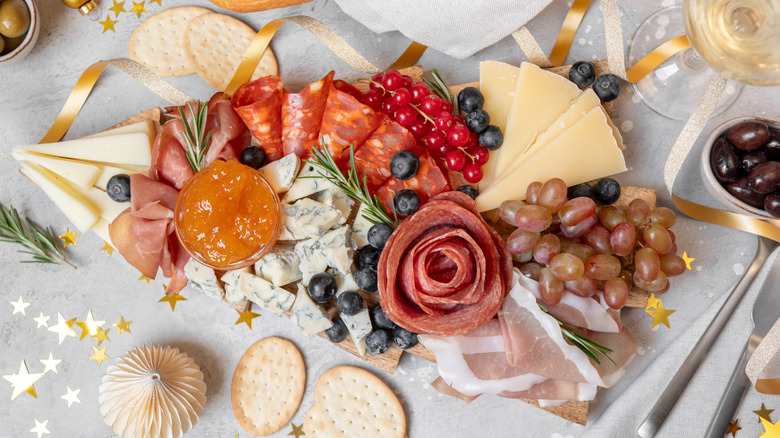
(31, 95)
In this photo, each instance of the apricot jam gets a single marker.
(227, 215)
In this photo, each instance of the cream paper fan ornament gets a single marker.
(152, 391)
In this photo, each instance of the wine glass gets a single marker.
(740, 39)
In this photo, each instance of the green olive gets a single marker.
(12, 44)
(14, 18)
(2, 44)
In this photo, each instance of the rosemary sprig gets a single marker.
(590, 348)
(195, 136)
(438, 86)
(350, 184)
(40, 243)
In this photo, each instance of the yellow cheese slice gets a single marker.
(101, 229)
(123, 149)
(586, 151)
(80, 174)
(76, 208)
(540, 97)
(107, 207)
(146, 127)
(497, 82)
(109, 171)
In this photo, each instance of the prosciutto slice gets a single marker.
(302, 117)
(259, 104)
(346, 121)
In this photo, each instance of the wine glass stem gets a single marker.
(689, 61)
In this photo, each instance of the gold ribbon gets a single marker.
(530, 47)
(613, 32)
(656, 58)
(768, 386)
(727, 219)
(569, 28)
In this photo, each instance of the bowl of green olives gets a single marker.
(19, 29)
(740, 165)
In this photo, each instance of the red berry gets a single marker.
(393, 80)
(402, 96)
(481, 155)
(446, 106)
(436, 139)
(472, 173)
(376, 78)
(473, 140)
(373, 98)
(405, 115)
(420, 128)
(441, 150)
(388, 107)
(444, 121)
(458, 135)
(458, 120)
(408, 81)
(431, 105)
(456, 160)
(419, 92)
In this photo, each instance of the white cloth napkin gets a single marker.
(458, 28)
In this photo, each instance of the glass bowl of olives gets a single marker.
(19, 29)
(740, 165)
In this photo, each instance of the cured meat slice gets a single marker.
(440, 385)
(259, 104)
(346, 122)
(444, 271)
(429, 182)
(372, 160)
(302, 117)
(623, 346)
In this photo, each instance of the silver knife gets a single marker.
(765, 313)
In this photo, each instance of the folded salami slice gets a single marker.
(429, 182)
(302, 117)
(444, 271)
(259, 104)
(346, 122)
(372, 160)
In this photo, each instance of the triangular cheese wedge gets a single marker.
(497, 82)
(124, 149)
(146, 127)
(109, 171)
(80, 174)
(101, 229)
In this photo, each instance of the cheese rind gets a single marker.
(132, 149)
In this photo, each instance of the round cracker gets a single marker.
(215, 44)
(356, 403)
(268, 386)
(315, 425)
(157, 42)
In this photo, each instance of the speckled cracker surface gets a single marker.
(268, 386)
(158, 43)
(215, 44)
(355, 403)
(315, 425)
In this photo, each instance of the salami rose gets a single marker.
(444, 270)
(302, 117)
(259, 104)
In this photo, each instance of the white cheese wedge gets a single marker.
(271, 298)
(145, 127)
(313, 260)
(586, 151)
(337, 248)
(109, 171)
(128, 149)
(76, 208)
(497, 82)
(344, 282)
(280, 266)
(80, 174)
(204, 279)
(281, 173)
(305, 219)
(233, 293)
(307, 315)
(358, 326)
(336, 198)
(540, 97)
(101, 229)
(108, 208)
(305, 186)
(360, 228)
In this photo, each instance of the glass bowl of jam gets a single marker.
(227, 216)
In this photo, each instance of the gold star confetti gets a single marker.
(99, 356)
(40, 428)
(733, 428)
(19, 306)
(123, 326)
(108, 248)
(246, 317)
(138, 8)
(145, 278)
(23, 381)
(117, 8)
(69, 238)
(101, 335)
(652, 302)
(50, 364)
(764, 413)
(772, 430)
(660, 315)
(297, 431)
(172, 299)
(63, 328)
(72, 396)
(687, 260)
(42, 320)
(89, 326)
(108, 24)
(159, 2)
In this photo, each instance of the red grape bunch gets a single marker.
(571, 245)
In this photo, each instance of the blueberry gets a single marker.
(470, 99)
(492, 138)
(253, 157)
(378, 235)
(607, 87)
(582, 74)
(337, 332)
(469, 190)
(118, 188)
(368, 256)
(404, 338)
(404, 165)
(322, 287)
(379, 318)
(406, 202)
(366, 278)
(350, 303)
(378, 341)
(580, 191)
(607, 191)
(477, 120)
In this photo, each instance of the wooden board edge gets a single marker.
(574, 411)
(154, 114)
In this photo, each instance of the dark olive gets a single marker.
(772, 204)
(724, 161)
(765, 177)
(741, 191)
(749, 135)
(752, 159)
(773, 145)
